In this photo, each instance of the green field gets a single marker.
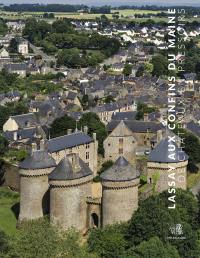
(125, 13)
(8, 210)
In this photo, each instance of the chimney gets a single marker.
(75, 163)
(146, 117)
(85, 129)
(159, 136)
(69, 131)
(34, 147)
(15, 136)
(94, 136)
(42, 144)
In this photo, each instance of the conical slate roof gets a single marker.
(39, 159)
(122, 170)
(64, 171)
(162, 154)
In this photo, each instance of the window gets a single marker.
(108, 144)
(87, 146)
(121, 140)
(87, 155)
(121, 151)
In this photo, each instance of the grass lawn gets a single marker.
(8, 208)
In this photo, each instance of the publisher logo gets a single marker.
(176, 232)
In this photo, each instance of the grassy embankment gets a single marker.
(9, 207)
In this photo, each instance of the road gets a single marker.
(38, 51)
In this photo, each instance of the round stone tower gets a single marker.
(70, 185)
(34, 184)
(120, 192)
(167, 166)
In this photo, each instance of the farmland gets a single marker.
(123, 14)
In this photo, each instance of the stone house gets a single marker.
(18, 68)
(72, 98)
(77, 142)
(22, 46)
(125, 137)
(18, 122)
(106, 111)
(4, 53)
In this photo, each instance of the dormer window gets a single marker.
(27, 123)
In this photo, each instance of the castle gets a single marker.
(64, 189)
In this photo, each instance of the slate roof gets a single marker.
(71, 95)
(16, 67)
(64, 171)
(68, 141)
(189, 76)
(21, 134)
(106, 107)
(161, 153)
(136, 126)
(124, 115)
(13, 94)
(39, 159)
(22, 120)
(122, 170)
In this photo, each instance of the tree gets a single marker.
(148, 68)
(109, 99)
(127, 69)
(160, 65)
(3, 145)
(92, 121)
(107, 243)
(40, 239)
(140, 71)
(153, 248)
(62, 26)
(60, 126)
(142, 109)
(153, 218)
(106, 165)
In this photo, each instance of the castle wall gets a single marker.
(33, 194)
(158, 174)
(68, 207)
(12, 178)
(119, 201)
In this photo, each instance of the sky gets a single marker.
(108, 2)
